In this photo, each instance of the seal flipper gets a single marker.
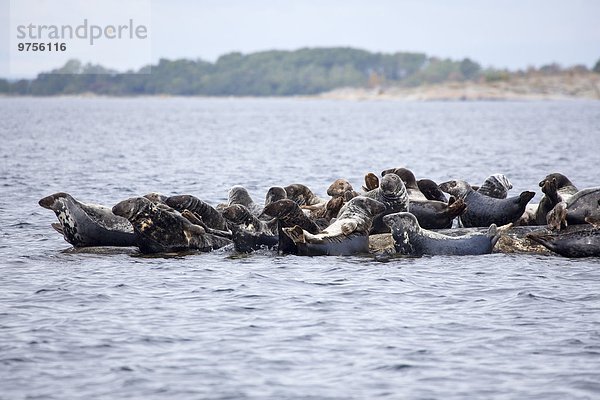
(456, 207)
(371, 182)
(557, 217)
(295, 233)
(349, 227)
(58, 228)
(594, 220)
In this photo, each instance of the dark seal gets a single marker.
(583, 204)
(431, 190)
(433, 214)
(161, 231)
(302, 195)
(289, 214)
(575, 241)
(482, 210)
(207, 213)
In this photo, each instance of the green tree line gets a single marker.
(268, 73)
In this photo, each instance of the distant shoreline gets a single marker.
(525, 88)
(551, 87)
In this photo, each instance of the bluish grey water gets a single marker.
(78, 325)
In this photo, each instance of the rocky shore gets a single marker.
(514, 87)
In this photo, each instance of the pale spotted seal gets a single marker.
(84, 225)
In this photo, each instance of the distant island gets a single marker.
(326, 72)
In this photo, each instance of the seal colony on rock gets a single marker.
(296, 221)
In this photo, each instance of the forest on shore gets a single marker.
(305, 71)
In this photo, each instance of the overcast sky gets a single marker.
(506, 33)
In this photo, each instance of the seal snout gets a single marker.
(48, 201)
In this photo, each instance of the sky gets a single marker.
(510, 34)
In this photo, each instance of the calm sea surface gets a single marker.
(114, 325)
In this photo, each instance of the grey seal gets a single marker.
(161, 231)
(575, 241)
(482, 210)
(410, 182)
(583, 204)
(85, 225)
(347, 235)
(412, 240)
(302, 195)
(556, 188)
(289, 214)
(392, 193)
(207, 213)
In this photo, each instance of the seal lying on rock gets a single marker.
(583, 204)
(575, 241)
(347, 235)
(411, 240)
(483, 211)
(392, 193)
(160, 231)
(85, 225)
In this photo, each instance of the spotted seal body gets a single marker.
(209, 215)
(583, 204)
(392, 193)
(84, 225)
(575, 241)
(411, 240)
(161, 231)
(483, 211)
(347, 235)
